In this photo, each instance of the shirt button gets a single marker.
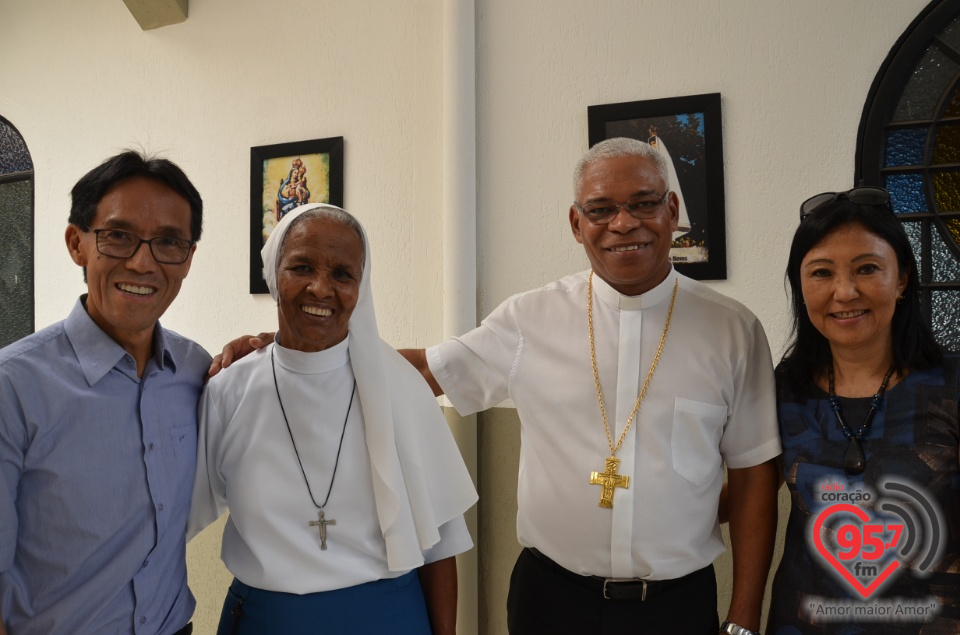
(143, 620)
(150, 446)
(160, 506)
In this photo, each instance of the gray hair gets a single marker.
(331, 213)
(614, 149)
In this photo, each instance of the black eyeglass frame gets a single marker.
(864, 195)
(645, 211)
(180, 241)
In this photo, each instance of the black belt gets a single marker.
(618, 588)
(186, 630)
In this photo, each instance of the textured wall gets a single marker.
(236, 74)
(793, 78)
(81, 81)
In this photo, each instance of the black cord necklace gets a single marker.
(321, 523)
(854, 460)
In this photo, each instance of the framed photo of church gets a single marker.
(284, 176)
(686, 131)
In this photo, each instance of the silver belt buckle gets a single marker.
(643, 593)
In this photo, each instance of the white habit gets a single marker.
(401, 486)
(247, 463)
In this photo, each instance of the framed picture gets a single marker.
(687, 132)
(284, 176)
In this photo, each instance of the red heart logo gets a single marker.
(857, 586)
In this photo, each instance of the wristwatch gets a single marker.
(735, 629)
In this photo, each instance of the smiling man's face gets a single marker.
(127, 296)
(631, 255)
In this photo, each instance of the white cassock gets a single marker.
(711, 401)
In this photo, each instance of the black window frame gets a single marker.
(876, 121)
(26, 176)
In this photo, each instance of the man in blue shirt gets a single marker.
(98, 422)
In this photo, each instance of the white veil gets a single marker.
(419, 479)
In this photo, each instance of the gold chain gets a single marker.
(596, 373)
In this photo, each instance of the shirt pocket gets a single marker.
(184, 441)
(695, 441)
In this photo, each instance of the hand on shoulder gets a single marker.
(238, 348)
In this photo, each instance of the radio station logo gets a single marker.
(867, 541)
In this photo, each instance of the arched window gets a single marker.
(16, 236)
(909, 142)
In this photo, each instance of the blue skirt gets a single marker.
(393, 606)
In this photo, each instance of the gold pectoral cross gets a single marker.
(322, 524)
(608, 479)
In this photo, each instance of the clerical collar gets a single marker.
(313, 363)
(611, 297)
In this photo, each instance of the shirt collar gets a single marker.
(98, 353)
(313, 363)
(610, 296)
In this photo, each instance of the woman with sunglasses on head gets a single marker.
(867, 406)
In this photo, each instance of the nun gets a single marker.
(345, 487)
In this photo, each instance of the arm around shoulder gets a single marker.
(236, 349)
(418, 358)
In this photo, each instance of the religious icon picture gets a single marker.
(686, 131)
(284, 176)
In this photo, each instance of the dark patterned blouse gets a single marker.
(914, 441)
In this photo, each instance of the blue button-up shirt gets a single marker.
(96, 473)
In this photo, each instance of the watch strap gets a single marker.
(735, 629)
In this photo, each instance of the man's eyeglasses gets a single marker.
(641, 208)
(859, 195)
(166, 250)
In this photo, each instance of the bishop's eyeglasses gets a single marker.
(166, 250)
(642, 208)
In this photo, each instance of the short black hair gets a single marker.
(96, 183)
(808, 354)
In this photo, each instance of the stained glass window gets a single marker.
(909, 142)
(16, 236)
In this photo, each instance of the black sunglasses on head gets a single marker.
(859, 195)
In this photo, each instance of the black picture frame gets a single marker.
(691, 128)
(272, 193)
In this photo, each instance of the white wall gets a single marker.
(793, 77)
(80, 81)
